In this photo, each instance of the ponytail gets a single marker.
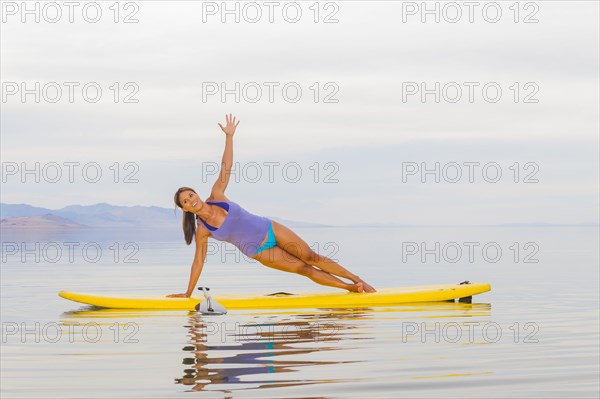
(189, 223)
(189, 227)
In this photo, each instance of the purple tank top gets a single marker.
(240, 227)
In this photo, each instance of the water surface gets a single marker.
(534, 335)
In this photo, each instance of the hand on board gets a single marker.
(178, 296)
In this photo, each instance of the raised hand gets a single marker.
(231, 125)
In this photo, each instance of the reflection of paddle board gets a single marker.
(339, 299)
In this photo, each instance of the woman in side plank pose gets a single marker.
(267, 241)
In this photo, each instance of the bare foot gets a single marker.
(358, 287)
(367, 287)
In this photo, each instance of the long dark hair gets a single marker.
(189, 224)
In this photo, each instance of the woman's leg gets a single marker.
(297, 247)
(278, 259)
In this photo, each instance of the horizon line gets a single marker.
(365, 225)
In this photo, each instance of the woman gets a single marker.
(269, 242)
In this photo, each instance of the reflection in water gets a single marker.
(276, 348)
(436, 309)
(257, 351)
(263, 350)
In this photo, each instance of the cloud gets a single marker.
(365, 57)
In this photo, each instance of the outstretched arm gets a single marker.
(197, 265)
(227, 161)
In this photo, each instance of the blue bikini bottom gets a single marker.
(271, 242)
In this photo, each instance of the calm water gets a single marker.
(534, 335)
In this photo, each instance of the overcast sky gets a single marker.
(350, 148)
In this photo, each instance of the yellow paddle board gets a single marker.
(337, 299)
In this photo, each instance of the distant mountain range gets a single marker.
(105, 215)
(40, 222)
(100, 215)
